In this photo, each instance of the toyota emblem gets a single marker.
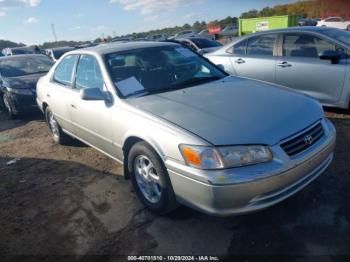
(308, 140)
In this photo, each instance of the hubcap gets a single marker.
(53, 125)
(147, 179)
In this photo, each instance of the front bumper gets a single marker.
(23, 103)
(251, 188)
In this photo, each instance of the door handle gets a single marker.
(284, 64)
(240, 61)
(73, 105)
(48, 95)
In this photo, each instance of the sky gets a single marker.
(29, 21)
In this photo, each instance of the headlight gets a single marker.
(224, 157)
(19, 91)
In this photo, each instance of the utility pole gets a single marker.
(54, 32)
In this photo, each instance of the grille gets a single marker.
(303, 141)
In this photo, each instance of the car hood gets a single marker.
(23, 82)
(234, 111)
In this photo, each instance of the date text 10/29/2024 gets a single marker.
(173, 258)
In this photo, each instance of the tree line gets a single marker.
(303, 8)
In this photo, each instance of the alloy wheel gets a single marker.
(147, 179)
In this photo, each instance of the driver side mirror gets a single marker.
(334, 56)
(93, 94)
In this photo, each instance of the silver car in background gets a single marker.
(184, 130)
(312, 60)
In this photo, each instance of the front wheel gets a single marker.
(57, 134)
(150, 179)
(8, 106)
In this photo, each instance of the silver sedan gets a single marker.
(184, 130)
(312, 60)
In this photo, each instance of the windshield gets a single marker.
(21, 66)
(340, 35)
(159, 69)
(205, 43)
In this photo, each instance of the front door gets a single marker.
(91, 119)
(301, 68)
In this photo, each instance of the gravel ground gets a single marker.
(72, 200)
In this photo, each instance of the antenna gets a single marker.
(54, 32)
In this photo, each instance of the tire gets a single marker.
(8, 106)
(58, 135)
(150, 179)
(348, 28)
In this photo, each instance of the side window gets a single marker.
(64, 71)
(305, 45)
(88, 73)
(261, 45)
(334, 19)
(238, 49)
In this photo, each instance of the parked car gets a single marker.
(185, 131)
(18, 77)
(336, 22)
(200, 44)
(184, 34)
(121, 39)
(230, 30)
(56, 53)
(157, 37)
(311, 60)
(21, 51)
(307, 22)
(205, 33)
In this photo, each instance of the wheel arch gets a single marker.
(130, 141)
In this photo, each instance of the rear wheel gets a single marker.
(150, 179)
(57, 134)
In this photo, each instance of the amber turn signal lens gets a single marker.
(191, 156)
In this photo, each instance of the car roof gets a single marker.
(316, 29)
(14, 57)
(296, 28)
(120, 47)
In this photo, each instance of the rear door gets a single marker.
(255, 58)
(300, 67)
(60, 89)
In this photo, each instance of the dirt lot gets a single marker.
(73, 200)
